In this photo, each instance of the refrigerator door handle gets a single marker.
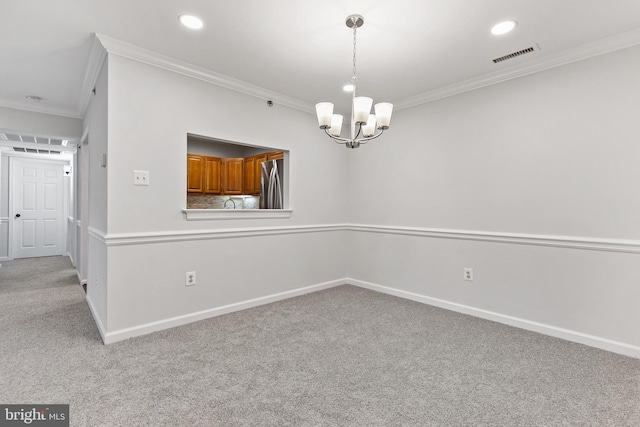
(271, 193)
(271, 196)
(277, 190)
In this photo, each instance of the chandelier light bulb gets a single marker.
(336, 125)
(383, 114)
(361, 109)
(324, 110)
(369, 129)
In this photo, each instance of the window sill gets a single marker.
(200, 214)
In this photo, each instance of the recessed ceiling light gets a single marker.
(348, 88)
(191, 21)
(503, 27)
(33, 98)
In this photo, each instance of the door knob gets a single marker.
(17, 215)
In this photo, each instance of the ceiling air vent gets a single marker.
(513, 55)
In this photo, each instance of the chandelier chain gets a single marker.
(354, 79)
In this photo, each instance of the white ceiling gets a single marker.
(408, 50)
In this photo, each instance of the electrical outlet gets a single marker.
(468, 274)
(190, 279)
(140, 177)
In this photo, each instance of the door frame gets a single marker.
(81, 207)
(62, 160)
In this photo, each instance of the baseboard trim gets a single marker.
(554, 331)
(80, 279)
(123, 334)
(73, 261)
(566, 334)
(96, 318)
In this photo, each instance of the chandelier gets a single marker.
(364, 125)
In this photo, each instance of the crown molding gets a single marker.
(96, 59)
(155, 59)
(567, 56)
(103, 44)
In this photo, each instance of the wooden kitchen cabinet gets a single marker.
(226, 176)
(256, 183)
(203, 174)
(212, 181)
(251, 184)
(249, 175)
(195, 169)
(275, 155)
(259, 159)
(232, 176)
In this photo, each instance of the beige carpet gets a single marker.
(341, 357)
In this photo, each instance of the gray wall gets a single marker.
(144, 248)
(532, 183)
(97, 130)
(30, 122)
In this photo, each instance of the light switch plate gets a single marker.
(140, 177)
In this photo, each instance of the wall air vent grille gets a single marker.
(513, 55)
(35, 144)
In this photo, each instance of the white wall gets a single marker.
(529, 182)
(96, 130)
(150, 112)
(550, 159)
(33, 123)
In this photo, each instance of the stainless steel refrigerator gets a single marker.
(271, 180)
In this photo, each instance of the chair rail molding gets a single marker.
(585, 243)
(124, 239)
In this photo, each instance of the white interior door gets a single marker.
(37, 208)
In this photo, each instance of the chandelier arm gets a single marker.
(337, 139)
(359, 131)
(369, 138)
